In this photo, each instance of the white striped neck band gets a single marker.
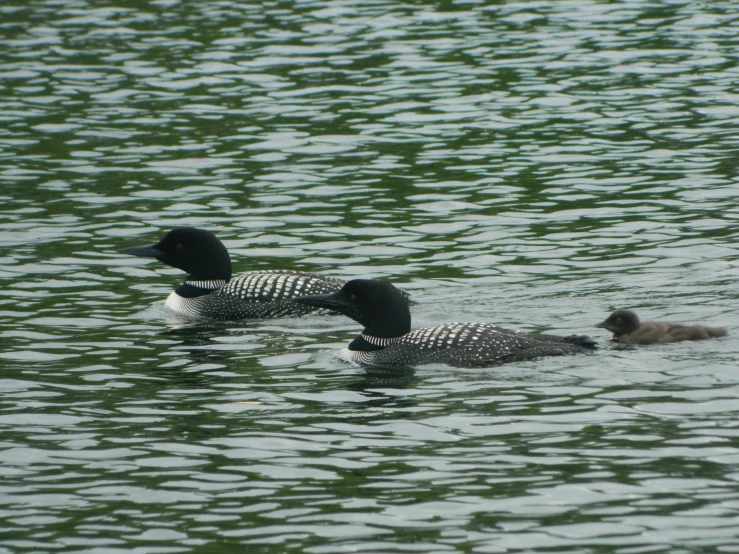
(207, 283)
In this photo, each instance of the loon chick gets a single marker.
(627, 329)
(209, 291)
(387, 339)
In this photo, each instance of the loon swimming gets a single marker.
(627, 329)
(209, 291)
(387, 339)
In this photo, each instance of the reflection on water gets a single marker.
(532, 165)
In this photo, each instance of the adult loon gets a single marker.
(387, 338)
(209, 291)
(627, 329)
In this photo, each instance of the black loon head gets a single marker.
(621, 322)
(195, 251)
(378, 305)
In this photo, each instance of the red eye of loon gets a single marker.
(180, 246)
(352, 298)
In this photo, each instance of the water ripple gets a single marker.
(532, 165)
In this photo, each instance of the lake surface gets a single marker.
(531, 164)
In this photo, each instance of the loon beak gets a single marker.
(601, 325)
(142, 251)
(328, 301)
(336, 302)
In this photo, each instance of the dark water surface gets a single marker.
(531, 164)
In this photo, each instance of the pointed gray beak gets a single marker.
(328, 301)
(142, 251)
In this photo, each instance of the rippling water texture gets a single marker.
(532, 164)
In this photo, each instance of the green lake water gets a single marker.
(530, 164)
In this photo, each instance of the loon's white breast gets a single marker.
(183, 306)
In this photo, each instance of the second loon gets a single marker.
(209, 291)
(387, 339)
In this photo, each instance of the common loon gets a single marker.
(387, 339)
(627, 329)
(209, 291)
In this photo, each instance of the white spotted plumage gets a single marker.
(462, 345)
(253, 295)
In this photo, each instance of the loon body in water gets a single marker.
(387, 339)
(209, 291)
(627, 329)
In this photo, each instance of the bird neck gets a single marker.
(387, 319)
